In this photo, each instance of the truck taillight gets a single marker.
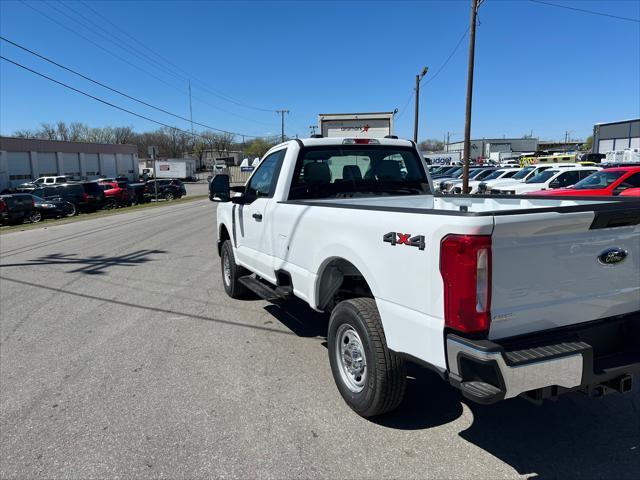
(465, 266)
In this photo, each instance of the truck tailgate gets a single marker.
(562, 268)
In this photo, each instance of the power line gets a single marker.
(404, 109)
(602, 14)
(109, 38)
(432, 77)
(100, 46)
(203, 85)
(111, 104)
(144, 70)
(119, 92)
(453, 52)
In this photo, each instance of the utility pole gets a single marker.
(467, 121)
(419, 77)
(191, 110)
(282, 112)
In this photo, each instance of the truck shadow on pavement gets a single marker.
(576, 436)
(93, 265)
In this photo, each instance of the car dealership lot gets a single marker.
(121, 355)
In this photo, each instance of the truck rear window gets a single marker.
(354, 170)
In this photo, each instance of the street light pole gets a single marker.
(419, 77)
(467, 121)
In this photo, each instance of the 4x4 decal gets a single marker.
(395, 238)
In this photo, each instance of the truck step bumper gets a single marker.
(604, 354)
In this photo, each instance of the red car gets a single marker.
(116, 193)
(607, 182)
(631, 192)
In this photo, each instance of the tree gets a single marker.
(588, 144)
(222, 143)
(431, 145)
(258, 147)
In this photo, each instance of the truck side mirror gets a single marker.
(219, 190)
(554, 184)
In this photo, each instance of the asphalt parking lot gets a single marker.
(121, 356)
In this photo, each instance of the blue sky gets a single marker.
(538, 68)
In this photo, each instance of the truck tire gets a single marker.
(231, 272)
(370, 378)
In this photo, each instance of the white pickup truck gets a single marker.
(501, 295)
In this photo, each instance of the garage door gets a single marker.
(605, 146)
(108, 165)
(47, 164)
(18, 167)
(125, 164)
(91, 166)
(71, 164)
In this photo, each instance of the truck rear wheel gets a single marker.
(370, 378)
(231, 272)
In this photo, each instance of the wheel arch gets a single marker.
(223, 235)
(339, 279)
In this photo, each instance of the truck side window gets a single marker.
(263, 182)
(568, 178)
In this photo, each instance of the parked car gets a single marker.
(51, 208)
(548, 180)
(73, 193)
(607, 182)
(15, 208)
(117, 194)
(631, 192)
(494, 186)
(42, 181)
(167, 189)
(475, 175)
(500, 173)
(500, 297)
(94, 196)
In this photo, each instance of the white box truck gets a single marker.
(175, 168)
(356, 125)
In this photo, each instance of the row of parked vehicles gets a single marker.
(55, 197)
(558, 179)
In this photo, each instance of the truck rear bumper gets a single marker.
(602, 354)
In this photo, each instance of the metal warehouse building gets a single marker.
(22, 159)
(484, 147)
(616, 135)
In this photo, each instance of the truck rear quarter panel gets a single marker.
(405, 280)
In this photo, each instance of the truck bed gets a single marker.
(476, 205)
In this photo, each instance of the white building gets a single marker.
(483, 148)
(23, 159)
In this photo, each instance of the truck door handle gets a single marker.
(257, 216)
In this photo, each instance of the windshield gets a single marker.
(523, 173)
(37, 199)
(542, 177)
(494, 175)
(598, 180)
(354, 170)
(484, 173)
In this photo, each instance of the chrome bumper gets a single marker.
(599, 355)
(564, 371)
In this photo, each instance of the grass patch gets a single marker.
(50, 222)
